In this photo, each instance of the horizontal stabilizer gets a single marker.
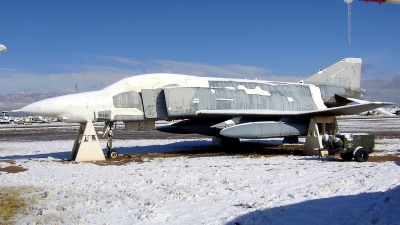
(335, 111)
(380, 110)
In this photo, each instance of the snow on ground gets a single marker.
(364, 124)
(228, 189)
(385, 146)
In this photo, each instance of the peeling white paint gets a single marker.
(316, 95)
(225, 99)
(256, 91)
(230, 88)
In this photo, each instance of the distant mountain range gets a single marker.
(18, 100)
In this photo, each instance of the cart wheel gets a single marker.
(346, 156)
(361, 155)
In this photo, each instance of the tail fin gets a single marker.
(345, 73)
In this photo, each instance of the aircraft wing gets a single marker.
(335, 111)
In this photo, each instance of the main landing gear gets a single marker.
(109, 130)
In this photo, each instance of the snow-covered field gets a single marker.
(227, 189)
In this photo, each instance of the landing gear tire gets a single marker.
(112, 154)
(361, 155)
(346, 156)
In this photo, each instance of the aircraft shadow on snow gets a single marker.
(197, 146)
(364, 208)
(263, 147)
(57, 155)
(186, 146)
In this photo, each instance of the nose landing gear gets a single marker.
(109, 130)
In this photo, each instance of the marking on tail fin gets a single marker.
(338, 72)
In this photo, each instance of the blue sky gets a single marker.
(52, 45)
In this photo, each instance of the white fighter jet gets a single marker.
(229, 109)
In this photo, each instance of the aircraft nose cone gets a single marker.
(47, 107)
(69, 108)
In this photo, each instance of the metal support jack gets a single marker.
(313, 143)
(109, 131)
(87, 146)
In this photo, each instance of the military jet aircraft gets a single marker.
(229, 109)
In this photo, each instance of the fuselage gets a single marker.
(192, 93)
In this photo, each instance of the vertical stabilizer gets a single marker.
(346, 73)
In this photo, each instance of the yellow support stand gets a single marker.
(328, 125)
(87, 146)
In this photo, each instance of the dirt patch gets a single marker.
(384, 158)
(12, 168)
(12, 162)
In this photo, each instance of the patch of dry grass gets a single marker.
(12, 201)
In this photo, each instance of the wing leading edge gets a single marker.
(335, 111)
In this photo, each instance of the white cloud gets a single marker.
(131, 62)
(382, 89)
(201, 69)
